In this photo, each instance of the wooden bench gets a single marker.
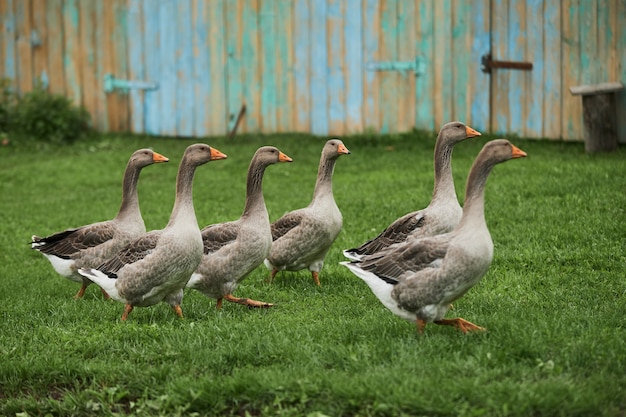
(599, 115)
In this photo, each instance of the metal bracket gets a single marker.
(111, 84)
(418, 66)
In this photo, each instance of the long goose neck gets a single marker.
(444, 183)
(324, 182)
(474, 205)
(183, 205)
(130, 199)
(254, 189)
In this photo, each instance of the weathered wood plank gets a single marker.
(571, 116)
(218, 106)
(101, 119)
(443, 94)
(371, 53)
(424, 91)
(90, 86)
(24, 50)
(319, 65)
(71, 66)
(552, 102)
(354, 66)
(152, 66)
(234, 31)
(268, 55)
(108, 39)
(518, 81)
(593, 89)
(136, 63)
(600, 123)
(120, 57)
(479, 82)
(7, 40)
(251, 66)
(336, 83)
(40, 50)
(284, 65)
(620, 99)
(302, 79)
(405, 40)
(388, 94)
(168, 52)
(589, 54)
(460, 65)
(500, 79)
(184, 70)
(532, 93)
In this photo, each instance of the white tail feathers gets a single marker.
(103, 280)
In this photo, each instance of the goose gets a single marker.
(90, 245)
(443, 212)
(301, 238)
(233, 249)
(418, 280)
(156, 266)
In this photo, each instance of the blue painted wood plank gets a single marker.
(335, 80)
(319, 69)
(405, 40)
(184, 70)
(234, 86)
(284, 64)
(571, 117)
(515, 52)
(201, 76)
(54, 19)
(101, 122)
(217, 98)
(302, 45)
(479, 81)
(24, 50)
(532, 90)
(168, 54)
(251, 66)
(371, 31)
(500, 79)
(268, 66)
(136, 63)
(463, 91)
(388, 79)
(588, 42)
(120, 58)
(552, 104)
(152, 66)
(354, 66)
(443, 94)
(424, 92)
(6, 40)
(71, 51)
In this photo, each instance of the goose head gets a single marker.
(144, 157)
(334, 148)
(200, 153)
(268, 155)
(455, 132)
(500, 150)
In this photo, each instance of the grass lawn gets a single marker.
(553, 302)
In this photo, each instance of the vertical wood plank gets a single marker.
(7, 40)
(101, 119)
(218, 105)
(442, 59)
(251, 66)
(389, 80)
(284, 66)
(56, 50)
(371, 33)
(152, 66)
(319, 67)
(108, 61)
(405, 44)
(233, 59)
(184, 70)
(424, 90)
(40, 51)
(24, 50)
(201, 61)
(354, 66)
(336, 85)
(551, 111)
(517, 80)
(168, 50)
(120, 57)
(87, 59)
(268, 66)
(589, 53)
(533, 87)
(605, 45)
(302, 45)
(479, 82)
(461, 51)
(71, 65)
(500, 79)
(136, 49)
(571, 117)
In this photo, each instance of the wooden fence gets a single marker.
(328, 67)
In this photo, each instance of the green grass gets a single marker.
(554, 300)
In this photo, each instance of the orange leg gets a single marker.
(81, 291)
(178, 311)
(247, 302)
(104, 294)
(461, 324)
(272, 275)
(316, 278)
(420, 325)
(219, 303)
(127, 309)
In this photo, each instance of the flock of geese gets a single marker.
(417, 267)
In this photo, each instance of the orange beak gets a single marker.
(342, 149)
(284, 158)
(471, 132)
(215, 155)
(517, 152)
(157, 157)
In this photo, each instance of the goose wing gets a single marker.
(216, 236)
